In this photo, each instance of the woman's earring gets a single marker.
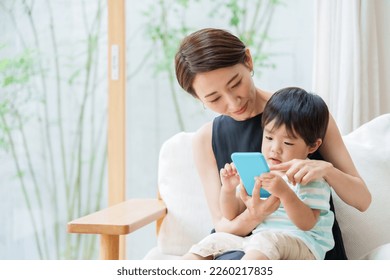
(204, 107)
(252, 73)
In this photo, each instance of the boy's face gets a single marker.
(278, 146)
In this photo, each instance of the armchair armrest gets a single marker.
(120, 219)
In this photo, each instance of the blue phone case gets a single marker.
(250, 165)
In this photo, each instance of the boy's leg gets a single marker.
(214, 245)
(229, 255)
(279, 246)
(262, 246)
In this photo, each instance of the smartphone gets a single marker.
(250, 165)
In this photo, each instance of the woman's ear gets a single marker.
(248, 59)
(315, 146)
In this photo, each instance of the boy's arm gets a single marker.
(231, 206)
(300, 214)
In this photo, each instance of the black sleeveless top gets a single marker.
(230, 136)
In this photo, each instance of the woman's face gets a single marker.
(228, 91)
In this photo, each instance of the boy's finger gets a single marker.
(243, 194)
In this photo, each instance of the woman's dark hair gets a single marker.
(303, 113)
(206, 50)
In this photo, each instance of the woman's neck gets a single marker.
(262, 98)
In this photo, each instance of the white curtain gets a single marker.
(351, 63)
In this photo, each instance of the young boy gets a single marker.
(294, 125)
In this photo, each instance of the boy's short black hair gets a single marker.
(303, 113)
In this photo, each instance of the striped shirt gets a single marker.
(316, 196)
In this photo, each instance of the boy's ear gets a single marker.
(315, 146)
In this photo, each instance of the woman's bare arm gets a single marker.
(343, 175)
(338, 170)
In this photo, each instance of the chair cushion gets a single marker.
(188, 219)
(370, 150)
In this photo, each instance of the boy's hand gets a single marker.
(274, 184)
(229, 177)
(257, 207)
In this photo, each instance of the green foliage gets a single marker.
(16, 71)
(167, 26)
(61, 173)
(250, 21)
(162, 33)
(15, 75)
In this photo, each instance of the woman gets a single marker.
(215, 67)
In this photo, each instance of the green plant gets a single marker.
(15, 77)
(62, 172)
(166, 37)
(250, 20)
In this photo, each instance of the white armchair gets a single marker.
(186, 219)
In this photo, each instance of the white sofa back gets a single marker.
(188, 219)
(369, 146)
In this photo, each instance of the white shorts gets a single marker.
(274, 245)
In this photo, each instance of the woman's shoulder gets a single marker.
(201, 145)
(203, 135)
